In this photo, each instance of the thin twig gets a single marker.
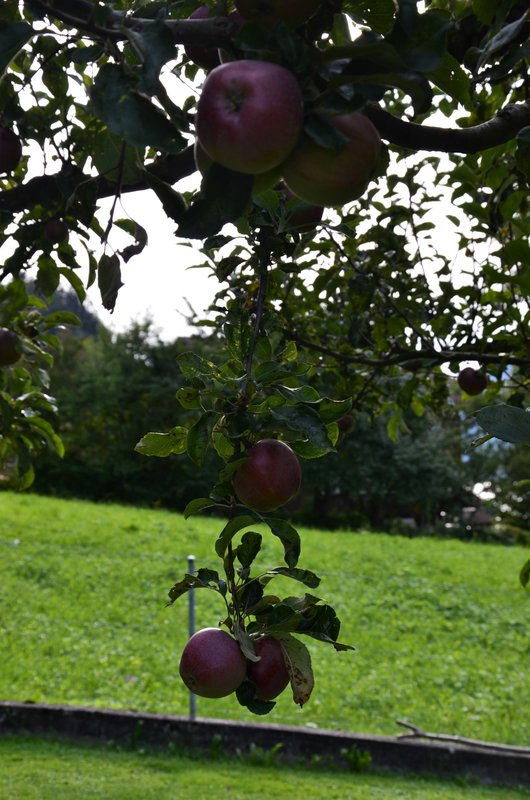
(417, 733)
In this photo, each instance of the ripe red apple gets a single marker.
(249, 115)
(202, 55)
(471, 381)
(269, 477)
(261, 182)
(327, 177)
(269, 673)
(9, 354)
(10, 150)
(56, 230)
(270, 12)
(212, 664)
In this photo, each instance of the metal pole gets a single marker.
(191, 625)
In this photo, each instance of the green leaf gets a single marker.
(199, 504)
(172, 202)
(229, 531)
(508, 423)
(199, 436)
(45, 429)
(249, 548)
(507, 34)
(246, 695)
(332, 410)
(303, 575)
(306, 422)
(131, 115)
(13, 36)
(61, 318)
(301, 394)
(225, 196)
(289, 537)
(379, 16)
(163, 444)
(524, 575)
(204, 579)
(322, 623)
(420, 39)
(115, 159)
(298, 662)
(157, 45)
(109, 280)
(75, 282)
(452, 79)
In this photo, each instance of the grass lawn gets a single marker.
(45, 770)
(440, 627)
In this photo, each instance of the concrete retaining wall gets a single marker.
(300, 744)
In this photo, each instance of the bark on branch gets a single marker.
(426, 355)
(499, 130)
(215, 32)
(47, 189)
(417, 733)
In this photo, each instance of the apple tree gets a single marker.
(361, 197)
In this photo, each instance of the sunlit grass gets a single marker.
(44, 770)
(440, 627)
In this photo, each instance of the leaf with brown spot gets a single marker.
(298, 662)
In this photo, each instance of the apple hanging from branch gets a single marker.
(249, 115)
(270, 476)
(212, 664)
(10, 150)
(9, 352)
(332, 177)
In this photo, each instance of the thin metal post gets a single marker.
(191, 626)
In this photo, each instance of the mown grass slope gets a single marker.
(440, 627)
(32, 769)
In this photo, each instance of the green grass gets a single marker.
(32, 769)
(440, 627)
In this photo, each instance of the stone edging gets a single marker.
(387, 753)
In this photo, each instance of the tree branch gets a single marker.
(47, 189)
(81, 14)
(404, 356)
(417, 733)
(499, 130)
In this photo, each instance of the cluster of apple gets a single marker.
(212, 663)
(250, 119)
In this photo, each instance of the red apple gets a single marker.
(202, 55)
(270, 476)
(327, 177)
(471, 381)
(56, 230)
(261, 182)
(10, 150)
(249, 115)
(212, 664)
(269, 673)
(270, 12)
(9, 354)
